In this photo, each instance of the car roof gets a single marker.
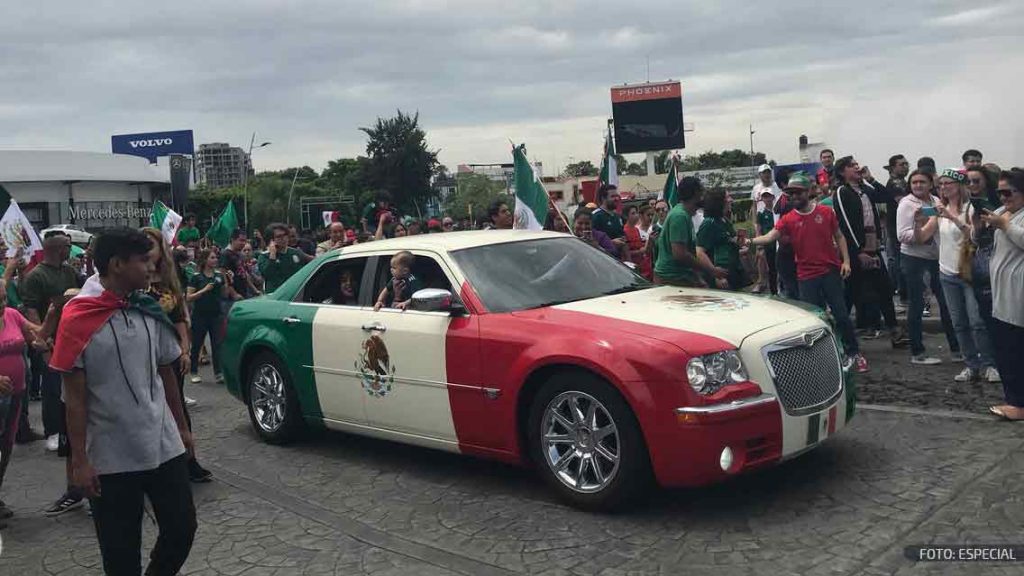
(449, 241)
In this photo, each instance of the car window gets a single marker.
(426, 269)
(336, 283)
(534, 273)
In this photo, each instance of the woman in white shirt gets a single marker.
(916, 228)
(954, 231)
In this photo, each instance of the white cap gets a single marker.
(764, 168)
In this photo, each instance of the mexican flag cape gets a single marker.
(531, 197)
(84, 314)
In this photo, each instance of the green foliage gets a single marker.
(713, 160)
(474, 190)
(582, 168)
(400, 162)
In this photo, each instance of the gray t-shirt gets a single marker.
(129, 427)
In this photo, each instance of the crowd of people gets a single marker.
(839, 239)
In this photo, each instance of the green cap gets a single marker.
(799, 180)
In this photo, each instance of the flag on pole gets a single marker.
(18, 233)
(531, 197)
(609, 168)
(165, 220)
(220, 232)
(670, 193)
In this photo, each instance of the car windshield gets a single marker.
(543, 272)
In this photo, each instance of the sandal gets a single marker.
(998, 411)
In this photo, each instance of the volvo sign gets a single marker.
(152, 145)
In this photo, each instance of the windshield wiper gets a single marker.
(627, 288)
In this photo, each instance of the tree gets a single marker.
(476, 191)
(634, 169)
(710, 160)
(582, 168)
(400, 161)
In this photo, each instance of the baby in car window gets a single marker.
(398, 293)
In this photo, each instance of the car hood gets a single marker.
(729, 316)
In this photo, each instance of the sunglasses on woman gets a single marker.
(1005, 192)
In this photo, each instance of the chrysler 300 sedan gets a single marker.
(535, 348)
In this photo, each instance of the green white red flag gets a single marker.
(165, 220)
(609, 168)
(531, 197)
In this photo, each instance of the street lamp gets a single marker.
(245, 185)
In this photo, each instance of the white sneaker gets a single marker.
(965, 375)
(195, 379)
(190, 402)
(923, 360)
(957, 357)
(992, 375)
(52, 443)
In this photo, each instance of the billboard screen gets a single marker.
(152, 145)
(648, 117)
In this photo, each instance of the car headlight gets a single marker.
(709, 373)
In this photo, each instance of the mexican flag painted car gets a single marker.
(535, 348)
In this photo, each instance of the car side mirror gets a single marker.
(436, 300)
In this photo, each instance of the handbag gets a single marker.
(967, 249)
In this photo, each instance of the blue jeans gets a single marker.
(914, 269)
(968, 323)
(829, 289)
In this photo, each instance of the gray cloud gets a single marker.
(872, 78)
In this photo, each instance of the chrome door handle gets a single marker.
(375, 327)
(291, 320)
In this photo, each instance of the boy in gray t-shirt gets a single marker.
(126, 425)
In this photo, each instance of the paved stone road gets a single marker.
(338, 504)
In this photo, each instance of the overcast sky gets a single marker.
(870, 78)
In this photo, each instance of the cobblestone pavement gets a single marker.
(339, 504)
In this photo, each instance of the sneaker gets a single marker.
(52, 443)
(190, 402)
(871, 334)
(992, 375)
(860, 364)
(899, 338)
(66, 503)
(197, 473)
(923, 360)
(195, 379)
(218, 378)
(956, 357)
(847, 363)
(965, 375)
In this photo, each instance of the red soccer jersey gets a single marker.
(811, 237)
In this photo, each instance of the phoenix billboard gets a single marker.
(648, 117)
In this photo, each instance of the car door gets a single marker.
(402, 363)
(335, 328)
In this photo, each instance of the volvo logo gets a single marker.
(149, 143)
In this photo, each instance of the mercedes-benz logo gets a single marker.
(808, 339)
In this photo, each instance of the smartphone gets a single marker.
(929, 211)
(980, 205)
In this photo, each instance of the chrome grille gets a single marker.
(806, 377)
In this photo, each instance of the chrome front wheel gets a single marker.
(268, 398)
(580, 441)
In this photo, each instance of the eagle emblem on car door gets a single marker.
(374, 366)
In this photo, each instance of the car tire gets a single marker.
(271, 400)
(582, 456)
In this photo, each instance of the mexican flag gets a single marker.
(531, 197)
(165, 220)
(609, 168)
(221, 230)
(670, 193)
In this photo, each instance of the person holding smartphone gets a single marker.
(917, 224)
(1007, 269)
(955, 215)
